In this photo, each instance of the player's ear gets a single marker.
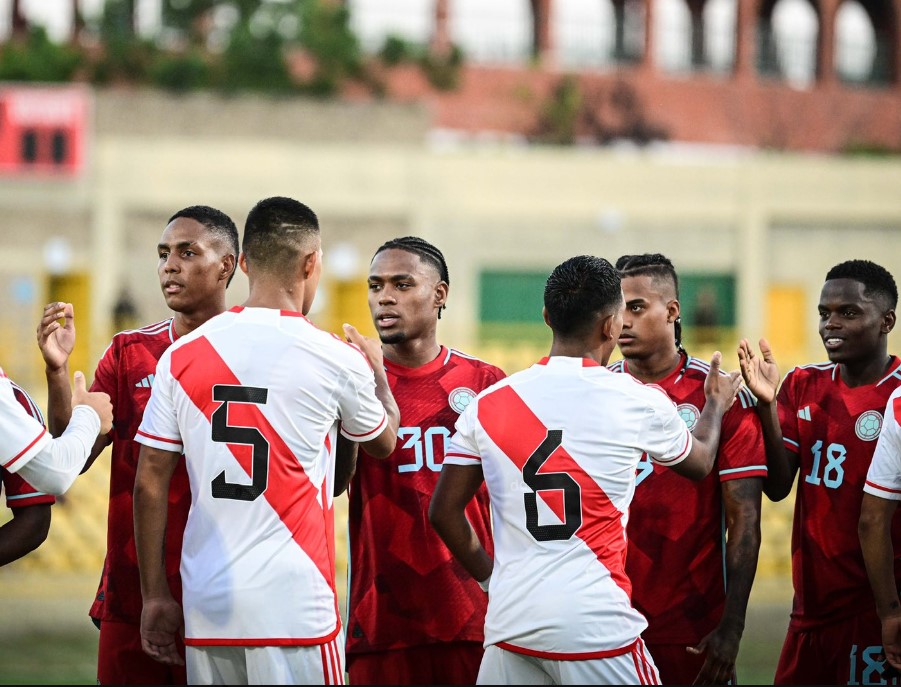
(441, 294)
(673, 310)
(242, 262)
(227, 269)
(544, 315)
(888, 321)
(309, 263)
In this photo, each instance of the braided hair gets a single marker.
(425, 250)
(657, 266)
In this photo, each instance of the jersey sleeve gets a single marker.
(741, 453)
(159, 426)
(362, 414)
(884, 475)
(787, 405)
(19, 493)
(667, 439)
(463, 448)
(21, 436)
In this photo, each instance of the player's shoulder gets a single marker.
(457, 357)
(164, 330)
(23, 399)
(813, 371)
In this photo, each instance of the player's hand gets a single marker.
(98, 400)
(161, 622)
(718, 387)
(721, 647)
(760, 371)
(56, 340)
(891, 640)
(372, 348)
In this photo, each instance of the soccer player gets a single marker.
(256, 397)
(415, 615)
(824, 422)
(558, 445)
(197, 256)
(30, 523)
(877, 530)
(27, 449)
(695, 620)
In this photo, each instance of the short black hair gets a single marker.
(277, 231)
(578, 290)
(658, 267)
(877, 281)
(425, 250)
(218, 224)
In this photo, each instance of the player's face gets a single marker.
(191, 265)
(647, 318)
(405, 294)
(852, 325)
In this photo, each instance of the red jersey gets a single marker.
(679, 524)
(406, 588)
(833, 429)
(126, 373)
(20, 493)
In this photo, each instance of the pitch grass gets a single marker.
(70, 657)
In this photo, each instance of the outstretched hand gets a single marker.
(372, 348)
(98, 400)
(721, 387)
(56, 340)
(760, 372)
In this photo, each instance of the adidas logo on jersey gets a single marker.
(804, 413)
(147, 382)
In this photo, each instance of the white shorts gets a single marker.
(320, 664)
(502, 667)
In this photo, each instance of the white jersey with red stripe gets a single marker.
(254, 398)
(21, 435)
(884, 474)
(558, 444)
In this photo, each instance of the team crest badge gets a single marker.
(460, 398)
(868, 425)
(689, 414)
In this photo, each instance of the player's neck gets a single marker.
(267, 292)
(185, 323)
(864, 372)
(414, 353)
(655, 367)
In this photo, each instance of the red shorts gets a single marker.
(450, 663)
(675, 665)
(122, 661)
(840, 653)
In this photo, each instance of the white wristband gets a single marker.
(484, 584)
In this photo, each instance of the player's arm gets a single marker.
(720, 391)
(875, 531)
(741, 501)
(57, 341)
(457, 485)
(161, 617)
(54, 468)
(345, 463)
(762, 377)
(26, 531)
(382, 445)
